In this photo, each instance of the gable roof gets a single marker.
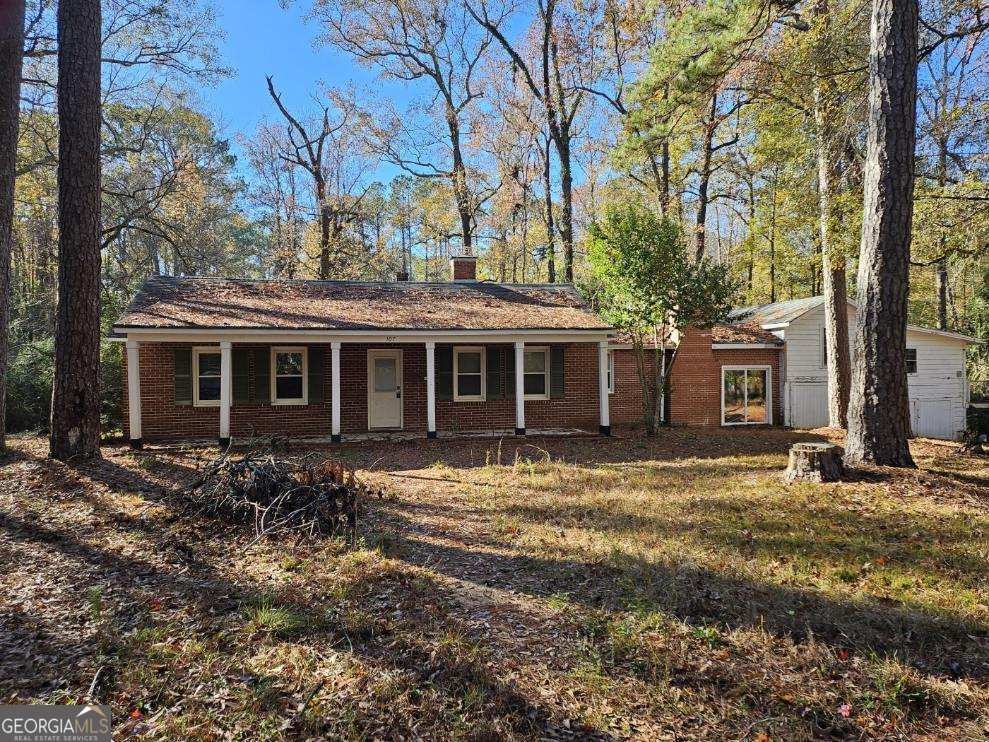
(782, 313)
(193, 303)
(778, 313)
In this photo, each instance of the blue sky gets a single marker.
(263, 39)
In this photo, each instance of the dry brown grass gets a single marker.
(582, 588)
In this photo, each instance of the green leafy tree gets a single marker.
(652, 290)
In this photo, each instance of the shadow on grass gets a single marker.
(933, 643)
(832, 534)
(671, 444)
(218, 603)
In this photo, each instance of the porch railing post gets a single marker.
(430, 390)
(335, 392)
(134, 392)
(603, 387)
(519, 387)
(225, 377)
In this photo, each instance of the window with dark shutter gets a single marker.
(241, 358)
(556, 372)
(183, 375)
(444, 373)
(262, 375)
(317, 371)
(496, 360)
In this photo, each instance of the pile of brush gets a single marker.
(309, 497)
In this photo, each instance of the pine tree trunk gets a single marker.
(879, 415)
(75, 424)
(826, 116)
(11, 57)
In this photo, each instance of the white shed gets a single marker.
(935, 368)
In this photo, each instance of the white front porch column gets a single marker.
(519, 387)
(430, 390)
(134, 392)
(603, 387)
(225, 377)
(335, 392)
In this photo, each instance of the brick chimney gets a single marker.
(463, 267)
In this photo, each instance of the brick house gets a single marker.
(727, 375)
(210, 357)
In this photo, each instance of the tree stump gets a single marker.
(814, 462)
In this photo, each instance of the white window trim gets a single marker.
(824, 347)
(196, 351)
(916, 361)
(769, 394)
(544, 349)
(275, 350)
(611, 372)
(457, 350)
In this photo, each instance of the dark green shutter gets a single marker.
(495, 389)
(317, 373)
(556, 371)
(262, 375)
(509, 355)
(183, 375)
(444, 373)
(242, 375)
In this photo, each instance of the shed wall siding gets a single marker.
(940, 367)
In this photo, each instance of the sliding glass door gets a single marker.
(745, 395)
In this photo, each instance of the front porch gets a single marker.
(195, 385)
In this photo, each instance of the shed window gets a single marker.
(611, 372)
(468, 372)
(206, 366)
(911, 360)
(288, 376)
(746, 395)
(535, 367)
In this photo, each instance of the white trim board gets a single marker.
(241, 335)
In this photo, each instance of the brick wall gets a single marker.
(695, 382)
(161, 419)
(464, 268)
(626, 401)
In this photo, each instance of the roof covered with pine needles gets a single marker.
(193, 302)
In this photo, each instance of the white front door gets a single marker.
(384, 389)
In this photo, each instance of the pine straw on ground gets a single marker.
(567, 588)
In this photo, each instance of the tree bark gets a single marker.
(75, 424)
(566, 206)
(11, 59)
(550, 236)
(704, 181)
(324, 226)
(942, 294)
(458, 177)
(879, 414)
(829, 148)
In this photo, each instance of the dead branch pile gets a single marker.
(310, 497)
